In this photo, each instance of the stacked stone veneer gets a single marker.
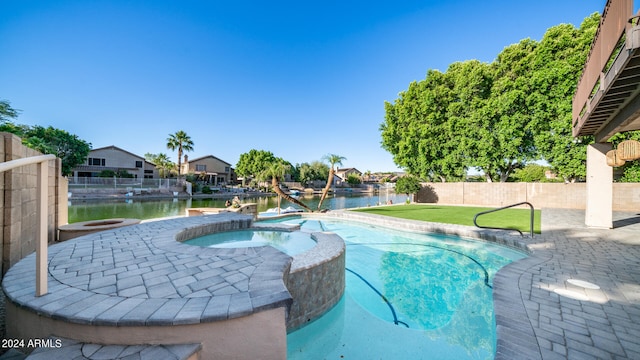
(316, 280)
(19, 202)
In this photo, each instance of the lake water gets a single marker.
(85, 210)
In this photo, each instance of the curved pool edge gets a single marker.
(489, 235)
(139, 285)
(510, 313)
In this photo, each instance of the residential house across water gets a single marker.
(214, 171)
(117, 160)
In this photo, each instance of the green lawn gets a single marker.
(461, 215)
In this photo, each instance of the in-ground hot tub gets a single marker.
(142, 285)
(70, 231)
(316, 279)
(289, 242)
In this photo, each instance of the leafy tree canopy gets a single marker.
(316, 170)
(254, 163)
(68, 147)
(494, 116)
(354, 179)
(531, 173)
(48, 140)
(408, 184)
(7, 112)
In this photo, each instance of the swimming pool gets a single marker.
(289, 242)
(407, 295)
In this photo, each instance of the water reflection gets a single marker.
(85, 210)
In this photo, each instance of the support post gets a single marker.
(41, 247)
(599, 212)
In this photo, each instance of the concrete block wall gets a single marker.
(626, 196)
(18, 198)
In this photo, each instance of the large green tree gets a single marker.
(316, 170)
(48, 140)
(497, 116)
(556, 66)
(182, 142)
(417, 132)
(504, 130)
(68, 147)
(467, 114)
(254, 163)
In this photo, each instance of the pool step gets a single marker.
(66, 349)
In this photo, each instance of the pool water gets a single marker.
(407, 295)
(291, 243)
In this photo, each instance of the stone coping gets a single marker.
(143, 275)
(501, 237)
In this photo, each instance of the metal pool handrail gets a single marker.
(42, 198)
(506, 207)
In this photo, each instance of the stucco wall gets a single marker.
(626, 196)
(19, 202)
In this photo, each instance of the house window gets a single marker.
(201, 167)
(138, 164)
(96, 161)
(226, 169)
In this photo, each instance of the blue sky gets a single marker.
(298, 78)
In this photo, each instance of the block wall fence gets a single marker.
(626, 196)
(18, 202)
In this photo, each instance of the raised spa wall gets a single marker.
(282, 293)
(316, 280)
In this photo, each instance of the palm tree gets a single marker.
(165, 164)
(277, 171)
(333, 160)
(181, 141)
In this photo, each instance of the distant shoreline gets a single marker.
(86, 194)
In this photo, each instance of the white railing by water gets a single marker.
(42, 199)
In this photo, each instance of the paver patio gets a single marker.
(546, 305)
(577, 296)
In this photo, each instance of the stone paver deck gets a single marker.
(577, 296)
(140, 275)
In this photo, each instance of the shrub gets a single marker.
(107, 173)
(408, 185)
(353, 179)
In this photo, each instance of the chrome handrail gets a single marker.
(531, 220)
